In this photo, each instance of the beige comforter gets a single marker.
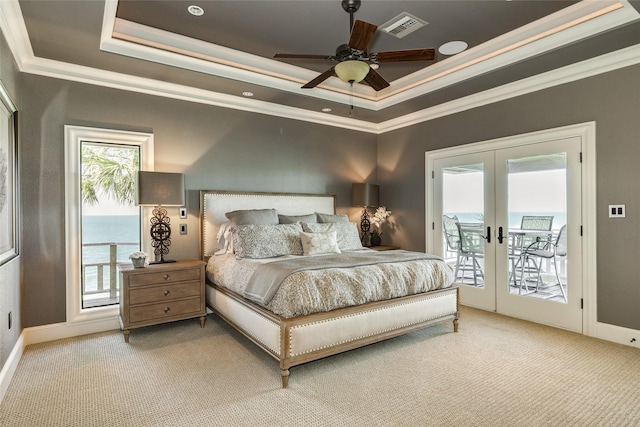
(313, 291)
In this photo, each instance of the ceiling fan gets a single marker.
(353, 60)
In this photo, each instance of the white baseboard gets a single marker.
(618, 334)
(58, 331)
(10, 366)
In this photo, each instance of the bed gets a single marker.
(303, 332)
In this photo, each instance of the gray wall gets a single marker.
(9, 272)
(216, 148)
(611, 100)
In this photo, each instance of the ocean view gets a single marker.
(515, 218)
(117, 229)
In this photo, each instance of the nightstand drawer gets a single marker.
(164, 309)
(164, 277)
(164, 293)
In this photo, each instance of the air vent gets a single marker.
(402, 25)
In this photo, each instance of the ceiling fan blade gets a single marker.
(405, 55)
(375, 80)
(361, 35)
(322, 77)
(302, 56)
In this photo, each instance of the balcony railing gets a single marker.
(100, 278)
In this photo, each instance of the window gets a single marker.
(102, 222)
(110, 226)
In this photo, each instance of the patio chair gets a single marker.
(465, 245)
(451, 234)
(471, 250)
(528, 222)
(548, 249)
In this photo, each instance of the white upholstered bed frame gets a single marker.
(303, 339)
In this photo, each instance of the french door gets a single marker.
(508, 219)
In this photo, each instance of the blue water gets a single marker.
(116, 229)
(515, 218)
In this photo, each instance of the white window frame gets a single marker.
(74, 136)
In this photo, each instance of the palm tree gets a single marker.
(108, 171)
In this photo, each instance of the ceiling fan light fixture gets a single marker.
(352, 71)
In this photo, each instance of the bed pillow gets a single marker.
(346, 233)
(267, 241)
(292, 219)
(331, 218)
(253, 216)
(225, 238)
(319, 243)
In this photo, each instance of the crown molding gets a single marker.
(609, 62)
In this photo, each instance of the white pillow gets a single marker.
(225, 239)
(346, 233)
(319, 243)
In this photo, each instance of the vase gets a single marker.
(138, 262)
(376, 240)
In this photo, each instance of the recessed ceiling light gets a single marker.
(326, 110)
(247, 94)
(452, 48)
(195, 10)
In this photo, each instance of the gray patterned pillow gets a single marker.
(332, 218)
(253, 216)
(292, 219)
(346, 232)
(267, 241)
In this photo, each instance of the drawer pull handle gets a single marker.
(167, 309)
(166, 293)
(166, 277)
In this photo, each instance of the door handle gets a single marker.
(500, 236)
(488, 235)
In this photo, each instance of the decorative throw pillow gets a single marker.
(319, 243)
(253, 216)
(267, 241)
(346, 233)
(225, 238)
(331, 218)
(292, 219)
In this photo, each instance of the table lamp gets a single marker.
(364, 195)
(160, 189)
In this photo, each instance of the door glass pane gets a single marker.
(537, 212)
(110, 219)
(463, 222)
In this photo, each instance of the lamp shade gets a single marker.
(160, 189)
(352, 71)
(365, 194)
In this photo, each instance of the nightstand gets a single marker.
(161, 293)
(384, 248)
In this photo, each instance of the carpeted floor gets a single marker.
(496, 371)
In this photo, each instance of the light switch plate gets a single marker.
(616, 211)
(183, 228)
(183, 213)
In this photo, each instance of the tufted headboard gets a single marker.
(214, 204)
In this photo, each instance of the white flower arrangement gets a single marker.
(380, 217)
(137, 255)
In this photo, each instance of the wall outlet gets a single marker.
(183, 228)
(616, 211)
(183, 213)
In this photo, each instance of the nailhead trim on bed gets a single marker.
(430, 317)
